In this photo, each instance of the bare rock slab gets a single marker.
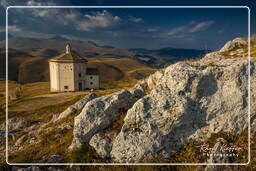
(98, 114)
(74, 108)
(188, 104)
(102, 143)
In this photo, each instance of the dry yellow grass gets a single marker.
(253, 46)
(50, 145)
(125, 65)
(245, 54)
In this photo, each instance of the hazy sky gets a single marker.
(130, 27)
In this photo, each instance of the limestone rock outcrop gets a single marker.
(102, 143)
(153, 79)
(138, 91)
(181, 104)
(236, 43)
(98, 114)
(74, 108)
(189, 103)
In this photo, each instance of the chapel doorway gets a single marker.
(80, 86)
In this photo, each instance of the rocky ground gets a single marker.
(176, 107)
(185, 103)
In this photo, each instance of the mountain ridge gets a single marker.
(89, 48)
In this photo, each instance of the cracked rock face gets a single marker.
(98, 114)
(236, 43)
(74, 108)
(102, 143)
(189, 103)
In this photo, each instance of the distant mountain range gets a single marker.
(30, 52)
(165, 56)
(56, 45)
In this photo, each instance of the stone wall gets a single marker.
(62, 77)
(92, 81)
(53, 76)
(80, 76)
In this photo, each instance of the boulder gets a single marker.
(102, 143)
(138, 90)
(153, 79)
(74, 108)
(234, 44)
(15, 123)
(212, 57)
(98, 114)
(187, 104)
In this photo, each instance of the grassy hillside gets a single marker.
(25, 68)
(33, 70)
(15, 59)
(113, 69)
(48, 53)
(40, 47)
(36, 103)
(54, 46)
(115, 74)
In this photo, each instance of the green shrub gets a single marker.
(85, 154)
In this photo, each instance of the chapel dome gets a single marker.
(68, 56)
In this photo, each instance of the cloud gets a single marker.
(176, 30)
(6, 3)
(135, 19)
(185, 30)
(201, 26)
(40, 3)
(13, 28)
(152, 29)
(71, 16)
(64, 21)
(41, 13)
(96, 20)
